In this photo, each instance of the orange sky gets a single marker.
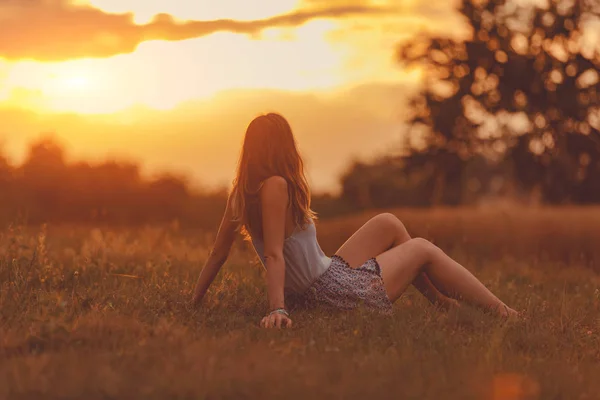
(173, 83)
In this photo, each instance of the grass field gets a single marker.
(103, 314)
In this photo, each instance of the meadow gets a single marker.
(103, 313)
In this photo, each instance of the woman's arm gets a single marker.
(274, 204)
(218, 255)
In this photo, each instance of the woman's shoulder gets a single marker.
(275, 181)
(274, 188)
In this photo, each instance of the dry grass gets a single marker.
(101, 314)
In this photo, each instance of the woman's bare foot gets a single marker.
(507, 312)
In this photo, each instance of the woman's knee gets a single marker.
(393, 223)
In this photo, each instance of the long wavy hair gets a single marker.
(269, 149)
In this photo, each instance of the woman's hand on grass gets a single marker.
(276, 320)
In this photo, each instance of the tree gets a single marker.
(48, 189)
(522, 90)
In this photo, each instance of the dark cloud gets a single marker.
(53, 30)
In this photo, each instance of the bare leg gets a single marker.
(380, 234)
(402, 264)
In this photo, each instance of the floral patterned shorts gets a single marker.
(347, 288)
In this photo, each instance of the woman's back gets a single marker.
(305, 261)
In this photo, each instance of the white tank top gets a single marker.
(304, 259)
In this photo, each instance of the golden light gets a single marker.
(162, 74)
(318, 56)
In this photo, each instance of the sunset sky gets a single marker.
(174, 83)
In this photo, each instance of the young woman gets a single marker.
(270, 202)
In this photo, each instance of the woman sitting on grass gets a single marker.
(270, 202)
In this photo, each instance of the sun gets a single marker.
(75, 86)
(65, 80)
(70, 89)
(76, 82)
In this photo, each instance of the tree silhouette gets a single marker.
(523, 90)
(48, 188)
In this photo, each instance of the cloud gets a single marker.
(56, 30)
